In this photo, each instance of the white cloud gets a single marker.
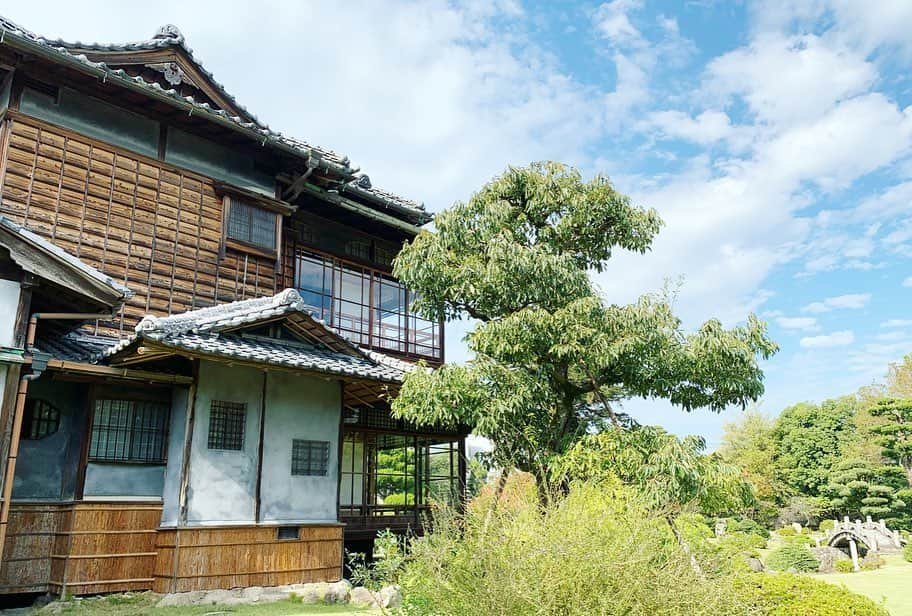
(707, 128)
(848, 301)
(613, 21)
(835, 339)
(896, 323)
(802, 323)
(907, 282)
(788, 79)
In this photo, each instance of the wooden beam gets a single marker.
(122, 373)
(259, 475)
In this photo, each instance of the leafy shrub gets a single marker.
(786, 531)
(597, 550)
(384, 568)
(748, 525)
(794, 595)
(907, 552)
(826, 526)
(801, 540)
(794, 556)
(844, 566)
(872, 561)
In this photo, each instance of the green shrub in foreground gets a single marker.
(786, 531)
(596, 551)
(794, 595)
(907, 552)
(844, 566)
(795, 556)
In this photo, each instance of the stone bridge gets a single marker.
(868, 536)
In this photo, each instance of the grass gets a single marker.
(143, 605)
(890, 584)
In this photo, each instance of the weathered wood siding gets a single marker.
(231, 557)
(83, 548)
(147, 224)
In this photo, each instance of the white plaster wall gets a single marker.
(9, 306)
(222, 487)
(299, 407)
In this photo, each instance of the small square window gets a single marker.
(251, 225)
(226, 425)
(309, 457)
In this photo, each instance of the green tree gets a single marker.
(895, 431)
(674, 476)
(809, 440)
(749, 445)
(550, 355)
(857, 489)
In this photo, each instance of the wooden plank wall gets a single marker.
(80, 548)
(107, 547)
(232, 557)
(29, 544)
(147, 224)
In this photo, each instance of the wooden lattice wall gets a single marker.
(147, 224)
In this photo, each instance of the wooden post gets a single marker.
(259, 475)
(188, 443)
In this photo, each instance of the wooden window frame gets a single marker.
(229, 407)
(164, 430)
(228, 202)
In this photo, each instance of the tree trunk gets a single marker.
(694, 564)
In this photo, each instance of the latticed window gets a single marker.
(309, 457)
(41, 419)
(226, 425)
(252, 225)
(129, 431)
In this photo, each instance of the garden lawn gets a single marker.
(143, 605)
(892, 582)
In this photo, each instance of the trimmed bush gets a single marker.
(844, 566)
(826, 526)
(786, 531)
(907, 552)
(750, 526)
(793, 556)
(871, 562)
(794, 595)
(801, 540)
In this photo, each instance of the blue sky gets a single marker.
(775, 138)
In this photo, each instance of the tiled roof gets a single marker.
(170, 36)
(216, 331)
(280, 353)
(71, 346)
(63, 256)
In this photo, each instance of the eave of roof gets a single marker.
(94, 283)
(60, 51)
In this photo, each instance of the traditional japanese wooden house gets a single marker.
(199, 335)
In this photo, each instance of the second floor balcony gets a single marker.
(366, 305)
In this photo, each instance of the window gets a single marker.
(365, 305)
(226, 425)
(129, 431)
(251, 225)
(41, 419)
(309, 457)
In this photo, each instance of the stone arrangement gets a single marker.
(339, 593)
